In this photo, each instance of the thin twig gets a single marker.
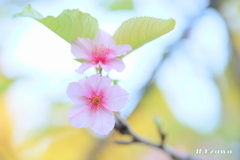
(123, 127)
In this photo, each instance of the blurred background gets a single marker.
(189, 78)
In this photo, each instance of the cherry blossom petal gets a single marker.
(80, 116)
(84, 66)
(102, 51)
(81, 48)
(115, 98)
(76, 109)
(122, 49)
(84, 89)
(104, 38)
(103, 122)
(96, 99)
(97, 84)
(75, 93)
(113, 63)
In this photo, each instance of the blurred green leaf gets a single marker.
(69, 25)
(4, 83)
(121, 5)
(141, 30)
(66, 141)
(6, 141)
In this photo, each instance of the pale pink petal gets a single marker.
(103, 122)
(115, 98)
(104, 38)
(113, 63)
(81, 48)
(84, 66)
(80, 116)
(84, 89)
(75, 93)
(97, 84)
(122, 49)
(76, 109)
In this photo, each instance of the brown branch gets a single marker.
(123, 127)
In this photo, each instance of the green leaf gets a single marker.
(69, 25)
(115, 82)
(119, 5)
(141, 30)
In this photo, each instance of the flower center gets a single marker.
(100, 52)
(94, 102)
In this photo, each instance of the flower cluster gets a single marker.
(95, 97)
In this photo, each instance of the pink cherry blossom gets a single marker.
(95, 100)
(99, 52)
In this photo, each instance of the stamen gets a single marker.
(95, 102)
(100, 52)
